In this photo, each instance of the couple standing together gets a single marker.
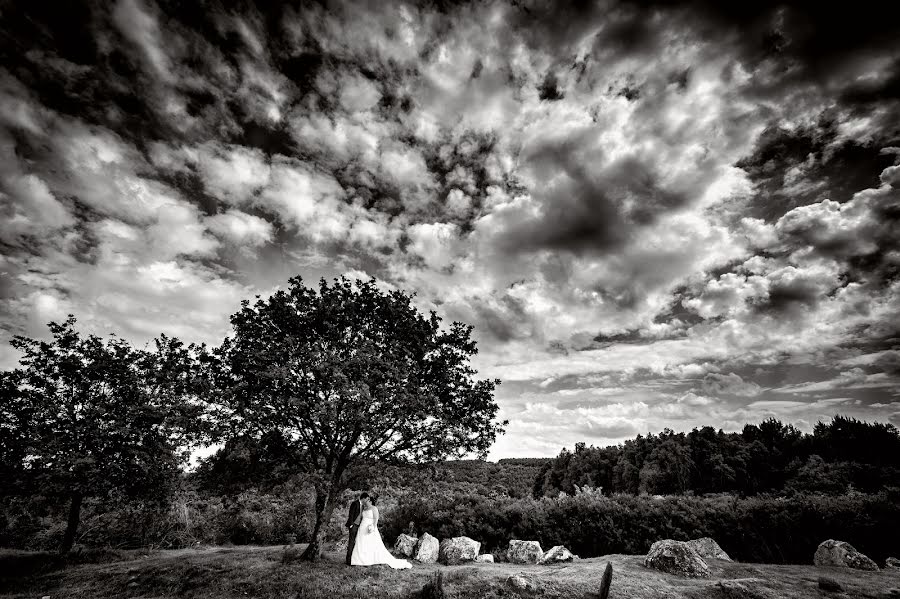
(365, 547)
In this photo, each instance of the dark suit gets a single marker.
(353, 525)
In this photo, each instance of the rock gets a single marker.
(892, 563)
(406, 545)
(676, 557)
(485, 558)
(606, 581)
(458, 550)
(524, 582)
(524, 552)
(557, 554)
(889, 594)
(839, 553)
(830, 585)
(426, 550)
(708, 549)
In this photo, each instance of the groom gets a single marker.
(353, 519)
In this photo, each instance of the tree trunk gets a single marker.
(72, 523)
(324, 509)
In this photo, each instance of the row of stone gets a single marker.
(688, 558)
(457, 550)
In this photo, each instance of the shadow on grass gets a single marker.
(24, 564)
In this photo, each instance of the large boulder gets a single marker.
(892, 563)
(840, 553)
(485, 558)
(708, 549)
(557, 554)
(405, 545)
(458, 550)
(427, 549)
(676, 557)
(524, 552)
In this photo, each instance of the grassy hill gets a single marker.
(264, 572)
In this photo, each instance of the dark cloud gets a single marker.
(785, 47)
(549, 88)
(586, 207)
(808, 164)
(627, 337)
(677, 314)
(715, 383)
(888, 362)
(788, 296)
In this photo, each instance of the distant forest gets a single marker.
(771, 457)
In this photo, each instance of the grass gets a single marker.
(270, 572)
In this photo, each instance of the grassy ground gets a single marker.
(265, 572)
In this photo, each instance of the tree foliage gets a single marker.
(351, 374)
(770, 457)
(88, 417)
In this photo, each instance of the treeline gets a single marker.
(771, 457)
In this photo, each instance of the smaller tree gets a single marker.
(90, 417)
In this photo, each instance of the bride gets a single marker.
(369, 548)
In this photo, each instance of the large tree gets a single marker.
(352, 374)
(83, 416)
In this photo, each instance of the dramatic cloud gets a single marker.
(653, 215)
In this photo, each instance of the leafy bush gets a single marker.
(758, 529)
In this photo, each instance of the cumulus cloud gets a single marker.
(650, 219)
(731, 384)
(240, 228)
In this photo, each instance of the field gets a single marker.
(263, 572)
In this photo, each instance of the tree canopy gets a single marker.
(84, 416)
(350, 373)
(769, 457)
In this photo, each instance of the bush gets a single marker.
(758, 529)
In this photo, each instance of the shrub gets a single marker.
(758, 529)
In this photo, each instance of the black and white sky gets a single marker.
(655, 215)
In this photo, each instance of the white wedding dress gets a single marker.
(369, 549)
